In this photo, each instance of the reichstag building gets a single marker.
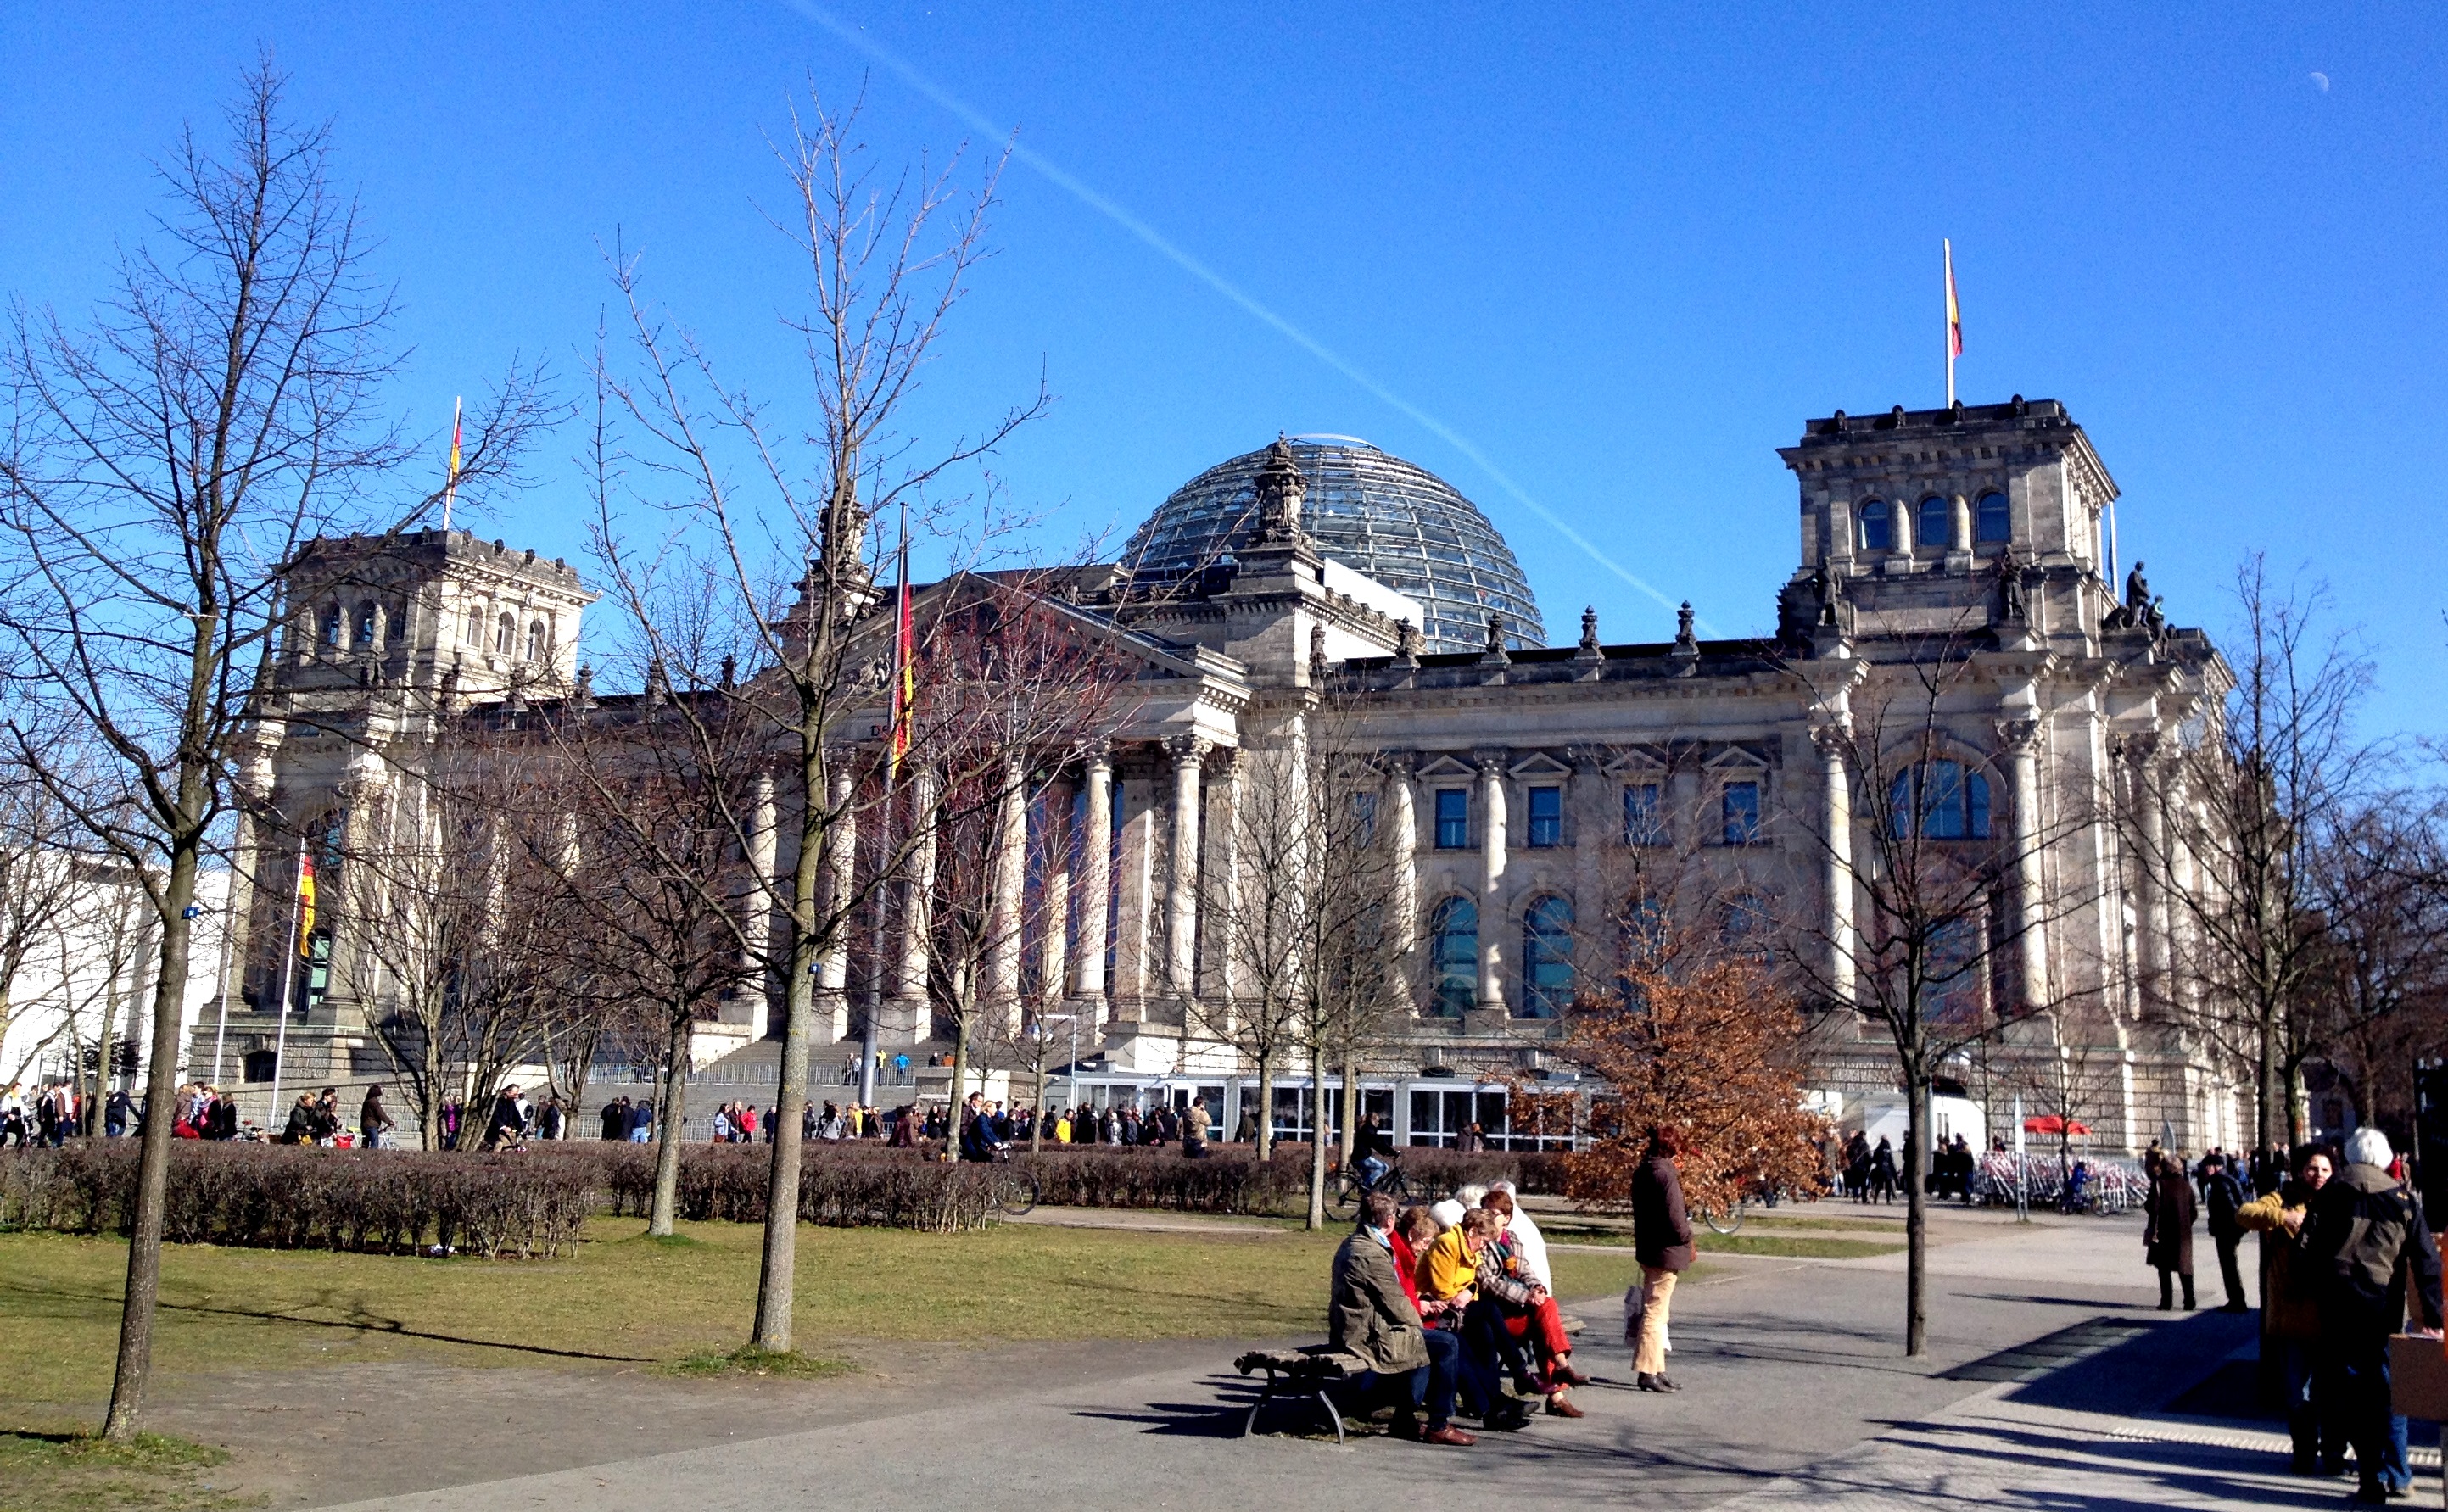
(1950, 580)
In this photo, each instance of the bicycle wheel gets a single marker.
(1016, 1195)
(1341, 1192)
(1723, 1221)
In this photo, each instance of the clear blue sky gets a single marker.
(1622, 255)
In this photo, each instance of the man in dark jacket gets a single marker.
(1662, 1241)
(1371, 1317)
(2221, 1195)
(2364, 1240)
(2168, 1231)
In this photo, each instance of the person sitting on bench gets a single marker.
(1371, 1317)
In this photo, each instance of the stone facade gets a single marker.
(1517, 784)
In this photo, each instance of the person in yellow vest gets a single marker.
(1062, 1127)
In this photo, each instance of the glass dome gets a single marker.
(1376, 514)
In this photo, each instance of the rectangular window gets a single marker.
(1546, 817)
(1453, 818)
(1742, 814)
(1364, 819)
(1644, 815)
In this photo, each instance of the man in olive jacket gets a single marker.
(2370, 1253)
(1372, 1317)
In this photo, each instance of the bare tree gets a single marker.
(160, 467)
(41, 894)
(1933, 858)
(2236, 848)
(2381, 990)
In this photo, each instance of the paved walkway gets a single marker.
(2044, 1387)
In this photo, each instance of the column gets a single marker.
(1052, 965)
(2150, 875)
(2020, 739)
(909, 1017)
(1009, 876)
(1833, 738)
(1129, 982)
(1096, 880)
(841, 882)
(1182, 882)
(1491, 884)
(1403, 838)
(1224, 940)
(757, 899)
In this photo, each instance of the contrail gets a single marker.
(978, 121)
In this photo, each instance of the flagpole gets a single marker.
(451, 483)
(288, 981)
(1947, 253)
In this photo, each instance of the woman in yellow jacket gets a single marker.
(1448, 1278)
(2294, 1313)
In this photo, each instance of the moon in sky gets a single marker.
(2320, 82)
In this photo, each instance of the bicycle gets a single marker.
(1348, 1187)
(1013, 1191)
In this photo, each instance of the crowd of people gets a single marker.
(1445, 1307)
(2348, 1261)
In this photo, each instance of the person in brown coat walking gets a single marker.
(1662, 1241)
(2167, 1236)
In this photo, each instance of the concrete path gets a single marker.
(2045, 1369)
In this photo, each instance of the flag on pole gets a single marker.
(1954, 314)
(904, 672)
(451, 485)
(305, 906)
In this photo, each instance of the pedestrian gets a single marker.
(1194, 1130)
(616, 1120)
(2369, 1248)
(1661, 1229)
(2292, 1309)
(374, 1119)
(1882, 1171)
(641, 1121)
(2222, 1196)
(2168, 1231)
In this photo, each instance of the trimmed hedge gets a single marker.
(286, 1197)
(532, 1203)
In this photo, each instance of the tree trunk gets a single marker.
(1267, 1106)
(1037, 1112)
(2271, 1095)
(1351, 1131)
(777, 1269)
(669, 1120)
(1916, 1210)
(1317, 1137)
(135, 1366)
(959, 1084)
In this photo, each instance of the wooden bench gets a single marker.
(1307, 1373)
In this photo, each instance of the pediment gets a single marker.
(1736, 759)
(1446, 767)
(1539, 764)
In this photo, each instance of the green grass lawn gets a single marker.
(622, 1299)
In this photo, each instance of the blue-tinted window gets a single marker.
(1950, 993)
(1644, 815)
(1364, 819)
(1746, 925)
(1742, 814)
(1991, 523)
(1937, 523)
(1546, 817)
(1547, 959)
(1453, 956)
(1951, 800)
(1453, 818)
(1877, 533)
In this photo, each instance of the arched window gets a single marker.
(475, 636)
(364, 637)
(1991, 524)
(1951, 800)
(506, 634)
(1547, 959)
(535, 640)
(1936, 525)
(1877, 534)
(1951, 996)
(330, 634)
(1453, 956)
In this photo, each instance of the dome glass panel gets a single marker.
(1376, 514)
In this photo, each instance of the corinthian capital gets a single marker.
(2015, 736)
(1189, 750)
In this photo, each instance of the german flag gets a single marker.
(1954, 313)
(305, 907)
(905, 669)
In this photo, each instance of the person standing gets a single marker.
(1662, 1242)
(1194, 1130)
(2168, 1231)
(2370, 1253)
(2222, 1196)
(374, 1119)
(2292, 1310)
